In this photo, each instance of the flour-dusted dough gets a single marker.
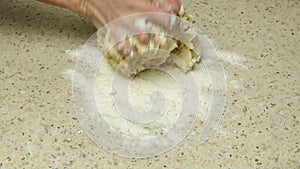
(182, 52)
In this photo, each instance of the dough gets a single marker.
(182, 52)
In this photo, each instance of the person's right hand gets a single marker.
(102, 12)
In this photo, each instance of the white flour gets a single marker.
(140, 90)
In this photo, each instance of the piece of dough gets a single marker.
(182, 52)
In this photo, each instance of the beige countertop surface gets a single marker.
(257, 40)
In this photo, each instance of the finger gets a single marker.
(168, 6)
(167, 21)
(141, 35)
(97, 24)
(118, 31)
(136, 26)
(118, 37)
(124, 48)
(174, 5)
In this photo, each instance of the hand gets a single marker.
(104, 11)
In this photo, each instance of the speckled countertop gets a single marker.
(259, 41)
